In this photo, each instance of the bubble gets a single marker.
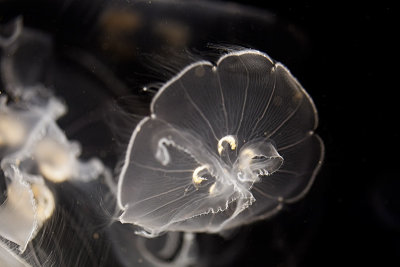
(225, 145)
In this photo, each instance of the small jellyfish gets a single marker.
(29, 134)
(225, 145)
(24, 56)
(35, 153)
(34, 149)
(31, 138)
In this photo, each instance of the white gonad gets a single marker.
(225, 145)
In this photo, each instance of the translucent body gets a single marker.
(72, 236)
(225, 145)
(33, 149)
(17, 214)
(43, 142)
(41, 174)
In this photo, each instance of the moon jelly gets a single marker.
(225, 145)
(33, 149)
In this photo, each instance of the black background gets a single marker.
(351, 72)
(352, 64)
(351, 216)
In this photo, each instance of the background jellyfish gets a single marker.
(35, 153)
(39, 164)
(225, 145)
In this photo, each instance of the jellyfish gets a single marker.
(219, 152)
(37, 159)
(31, 138)
(34, 150)
(27, 207)
(226, 144)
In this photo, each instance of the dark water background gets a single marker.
(344, 57)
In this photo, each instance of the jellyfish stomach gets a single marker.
(255, 159)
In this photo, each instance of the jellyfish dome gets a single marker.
(226, 144)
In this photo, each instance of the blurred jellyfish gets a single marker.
(36, 158)
(225, 145)
(34, 151)
(27, 207)
(31, 138)
(25, 52)
(169, 250)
